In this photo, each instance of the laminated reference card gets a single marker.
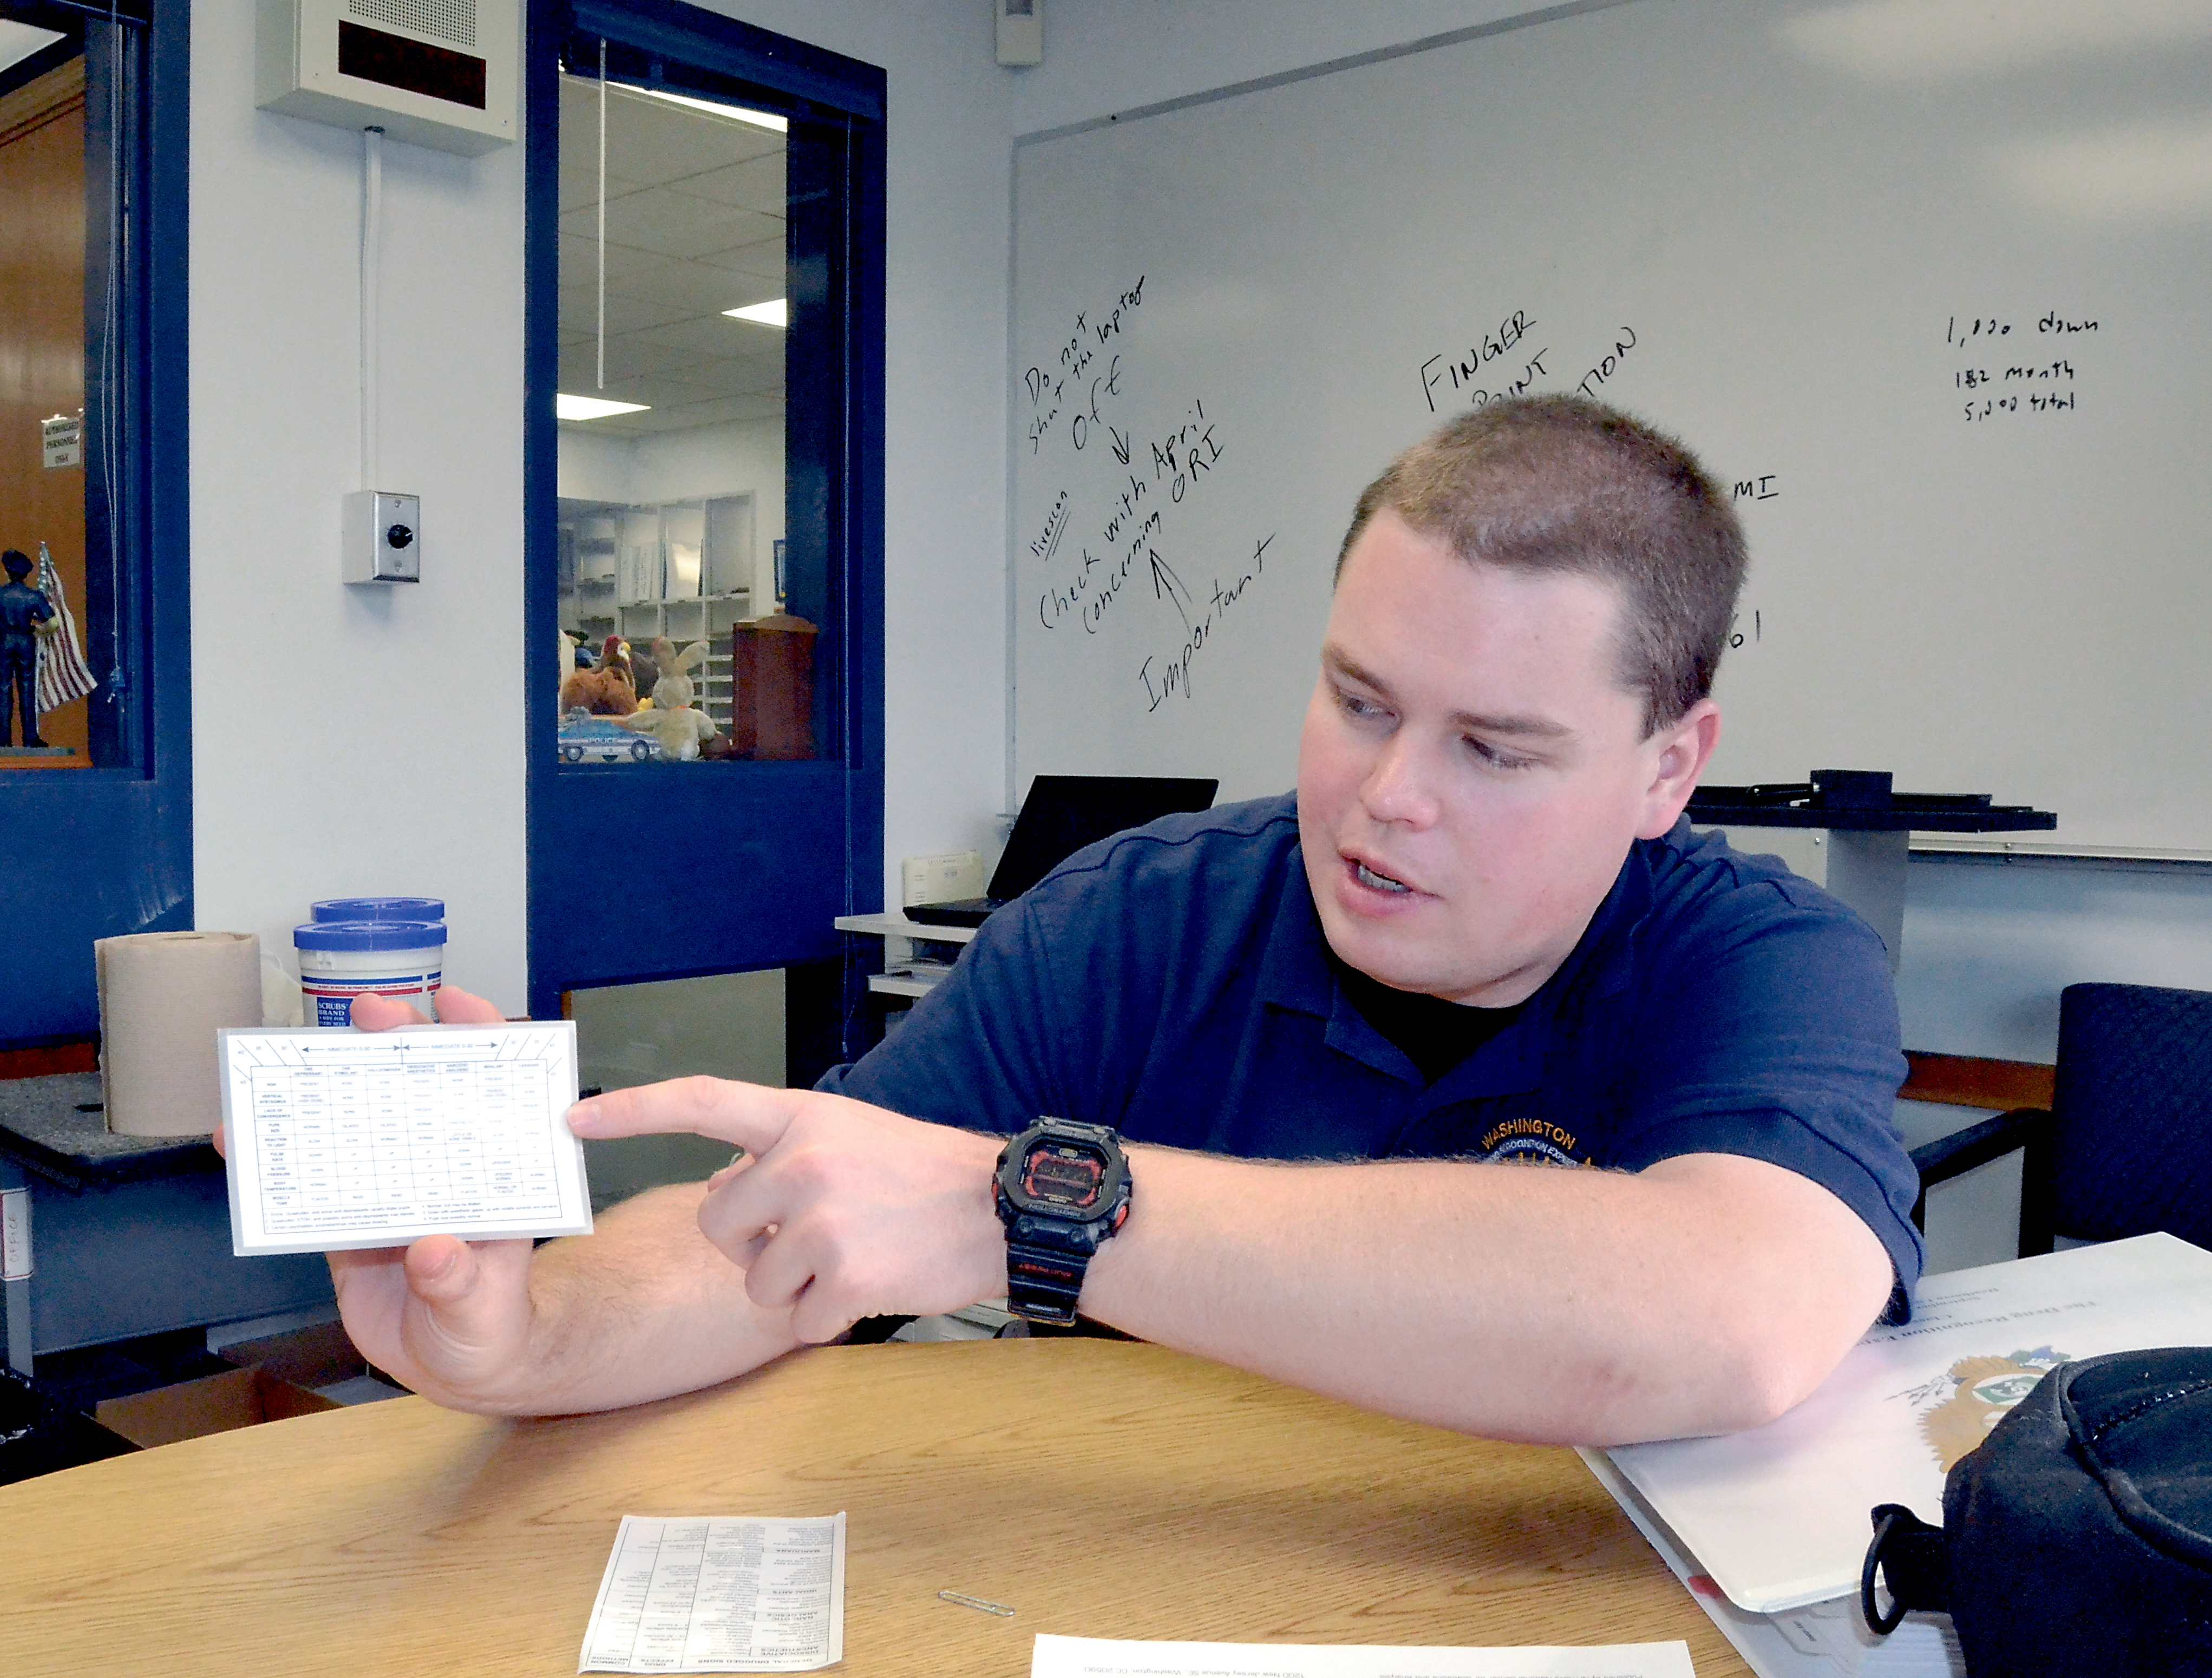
(371, 1139)
(1107, 1657)
(712, 1593)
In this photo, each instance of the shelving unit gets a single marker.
(917, 957)
(683, 569)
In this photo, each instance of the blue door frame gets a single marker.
(759, 857)
(95, 853)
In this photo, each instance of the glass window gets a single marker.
(704, 523)
(71, 375)
(675, 322)
(44, 677)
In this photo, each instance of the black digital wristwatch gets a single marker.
(1062, 1188)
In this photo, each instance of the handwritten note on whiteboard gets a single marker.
(350, 1139)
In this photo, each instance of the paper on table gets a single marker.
(1109, 1657)
(1819, 1640)
(1778, 1515)
(717, 1594)
(371, 1139)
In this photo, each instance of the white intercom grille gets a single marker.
(454, 20)
(443, 73)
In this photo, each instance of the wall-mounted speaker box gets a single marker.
(439, 73)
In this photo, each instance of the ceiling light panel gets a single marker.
(568, 407)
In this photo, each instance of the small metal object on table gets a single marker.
(128, 1235)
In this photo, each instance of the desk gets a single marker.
(1101, 1488)
(129, 1235)
(916, 956)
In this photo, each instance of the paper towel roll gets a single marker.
(162, 997)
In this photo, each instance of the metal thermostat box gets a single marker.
(438, 73)
(383, 537)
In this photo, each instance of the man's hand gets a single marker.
(446, 1316)
(449, 1318)
(845, 1211)
(643, 1308)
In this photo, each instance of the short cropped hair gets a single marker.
(1564, 484)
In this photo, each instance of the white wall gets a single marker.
(1106, 56)
(589, 466)
(349, 740)
(1989, 943)
(310, 779)
(945, 421)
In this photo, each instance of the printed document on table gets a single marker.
(1111, 1657)
(712, 1593)
(370, 1139)
(1779, 1516)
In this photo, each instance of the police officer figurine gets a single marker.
(22, 608)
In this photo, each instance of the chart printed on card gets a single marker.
(341, 1140)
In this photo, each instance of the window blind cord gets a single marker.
(372, 248)
(602, 383)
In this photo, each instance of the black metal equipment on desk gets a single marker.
(1862, 801)
(1868, 824)
(127, 1235)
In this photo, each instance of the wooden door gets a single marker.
(42, 346)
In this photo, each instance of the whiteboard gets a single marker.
(1928, 296)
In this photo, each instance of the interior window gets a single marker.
(684, 643)
(60, 648)
(704, 542)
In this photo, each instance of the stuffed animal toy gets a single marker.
(681, 730)
(655, 662)
(645, 668)
(614, 654)
(608, 691)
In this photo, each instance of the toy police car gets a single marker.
(585, 738)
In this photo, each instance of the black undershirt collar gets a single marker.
(1434, 1034)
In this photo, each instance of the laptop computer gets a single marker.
(1061, 815)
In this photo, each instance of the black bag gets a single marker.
(2077, 1538)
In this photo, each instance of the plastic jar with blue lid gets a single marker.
(340, 960)
(379, 909)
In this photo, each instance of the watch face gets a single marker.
(1062, 1174)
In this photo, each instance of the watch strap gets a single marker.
(1043, 1284)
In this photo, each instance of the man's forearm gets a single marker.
(640, 1309)
(1706, 1294)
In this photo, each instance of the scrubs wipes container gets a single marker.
(340, 960)
(379, 909)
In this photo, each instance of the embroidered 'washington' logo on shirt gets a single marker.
(1528, 1141)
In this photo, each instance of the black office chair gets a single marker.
(2126, 1146)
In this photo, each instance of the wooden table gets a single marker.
(1101, 1489)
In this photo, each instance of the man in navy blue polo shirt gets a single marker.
(1479, 934)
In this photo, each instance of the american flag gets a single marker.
(63, 673)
